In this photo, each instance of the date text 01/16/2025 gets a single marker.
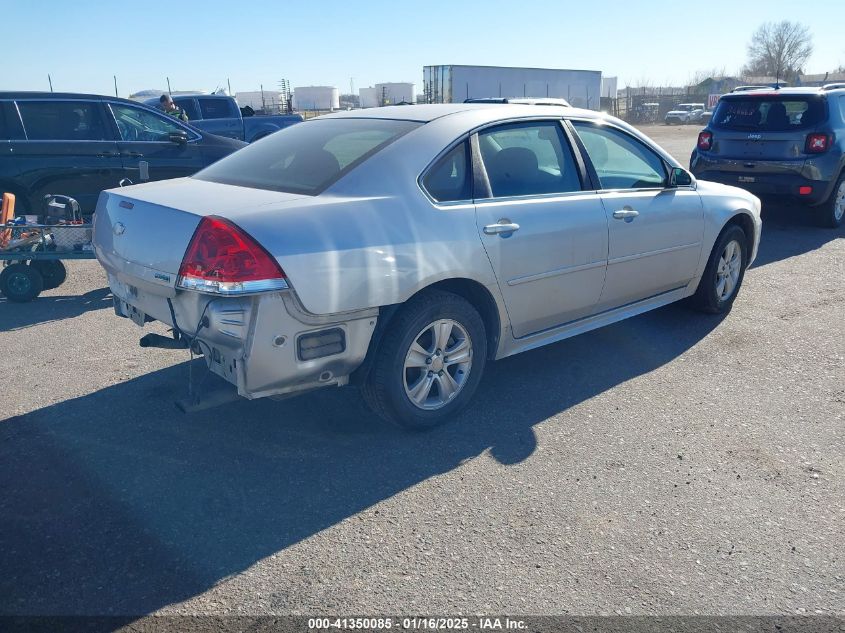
(417, 623)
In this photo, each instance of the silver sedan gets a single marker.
(401, 248)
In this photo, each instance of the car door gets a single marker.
(69, 149)
(154, 146)
(655, 230)
(220, 115)
(545, 236)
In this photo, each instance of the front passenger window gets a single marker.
(136, 124)
(621, 161)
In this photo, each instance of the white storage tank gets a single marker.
(368, 97)
(269, 100)
(392, 93)
(316, 98)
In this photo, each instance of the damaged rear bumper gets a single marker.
(265, 344)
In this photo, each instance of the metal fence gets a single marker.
(648, 106)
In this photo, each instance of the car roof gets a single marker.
(47, 96)
(424, 113)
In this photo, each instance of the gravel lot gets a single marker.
(673, 463)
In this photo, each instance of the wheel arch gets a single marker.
(474, 292)
(744, 221)
(264, 130)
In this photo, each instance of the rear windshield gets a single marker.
(767, 113)
(306, 157)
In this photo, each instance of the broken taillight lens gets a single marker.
(816, 144)
(705, 141)
(223, 259)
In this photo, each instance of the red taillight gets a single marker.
(816, 143)
(223, 259)
(705, 141)
(805, 191)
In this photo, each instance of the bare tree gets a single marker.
(779, 49)
(701, 75)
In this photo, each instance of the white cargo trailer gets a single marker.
(455, 83)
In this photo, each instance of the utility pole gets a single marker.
(262, 99)
(115, 85)
(229, 83)
(50, 80)
(169, 91)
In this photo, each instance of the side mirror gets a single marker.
(679, 177)
(179, 137)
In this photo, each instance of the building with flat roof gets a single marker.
(454, 83)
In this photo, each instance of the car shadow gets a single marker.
(17, 316)
(114, 503)
(789, 231)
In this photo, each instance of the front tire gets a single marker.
(832, 212)
(429, 363)
(722, 278)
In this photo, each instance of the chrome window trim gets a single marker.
(538, 197)
(468, 135)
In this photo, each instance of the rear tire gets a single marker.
(429, 363)
(722, 278)
(832, 212)
(53, 272)
(20, 283)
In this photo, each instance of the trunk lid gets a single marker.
(141, 232)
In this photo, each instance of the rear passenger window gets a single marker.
(524, 159)
(449, 179)
(217, 109)
(63, 121)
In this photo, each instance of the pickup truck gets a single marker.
(220, 115)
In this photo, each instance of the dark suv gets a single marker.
(78, 145)
(787, 143)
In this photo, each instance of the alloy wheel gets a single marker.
(728, 269)
(839, 203)
(437, 364)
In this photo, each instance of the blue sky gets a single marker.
(200, 44)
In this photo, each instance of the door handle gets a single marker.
(133, 154)
(626, 214)
(108, 154)
(500, 228)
